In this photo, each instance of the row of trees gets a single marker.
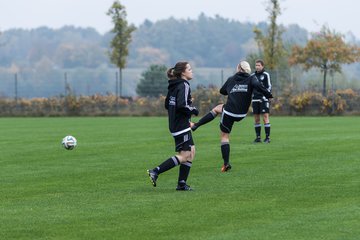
(326, 51)
(215, 42)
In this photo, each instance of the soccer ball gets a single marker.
(69, 142)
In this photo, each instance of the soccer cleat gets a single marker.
(183, 188)
(153, 176)
(267, 140)
(257, 140)
(225, 167)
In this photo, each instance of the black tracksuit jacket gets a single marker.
(239, 89)
(178, 103)
(264, 78)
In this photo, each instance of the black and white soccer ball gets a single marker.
(69, 142)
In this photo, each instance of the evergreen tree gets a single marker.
(153, 82)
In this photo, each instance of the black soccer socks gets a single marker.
(267, 130)
(167, 165)
(225, 152)
(204, 120)
(184, 172)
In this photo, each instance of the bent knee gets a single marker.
(186, 156)
(190, 156)
(218, 109)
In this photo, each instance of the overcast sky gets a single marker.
(342, 16)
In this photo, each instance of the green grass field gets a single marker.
(305, 184)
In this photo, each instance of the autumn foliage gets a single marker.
(341, 102)
(327, 51)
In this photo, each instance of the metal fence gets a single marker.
(88, 82)
(104, 81)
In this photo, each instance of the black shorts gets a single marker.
(184, 142)
(227, 121)
(261, 107)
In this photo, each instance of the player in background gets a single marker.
(260, 103)
(239, 89)
(178, 103)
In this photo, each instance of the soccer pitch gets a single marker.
(305, 184)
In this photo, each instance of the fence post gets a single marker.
(16, 89)
(117, 84)
(120, 82)
(222, 77)
(66, 84)
(117, 90)
(65, 96)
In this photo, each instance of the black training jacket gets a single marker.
(239, 89)
(264, 78)
(178, 103)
